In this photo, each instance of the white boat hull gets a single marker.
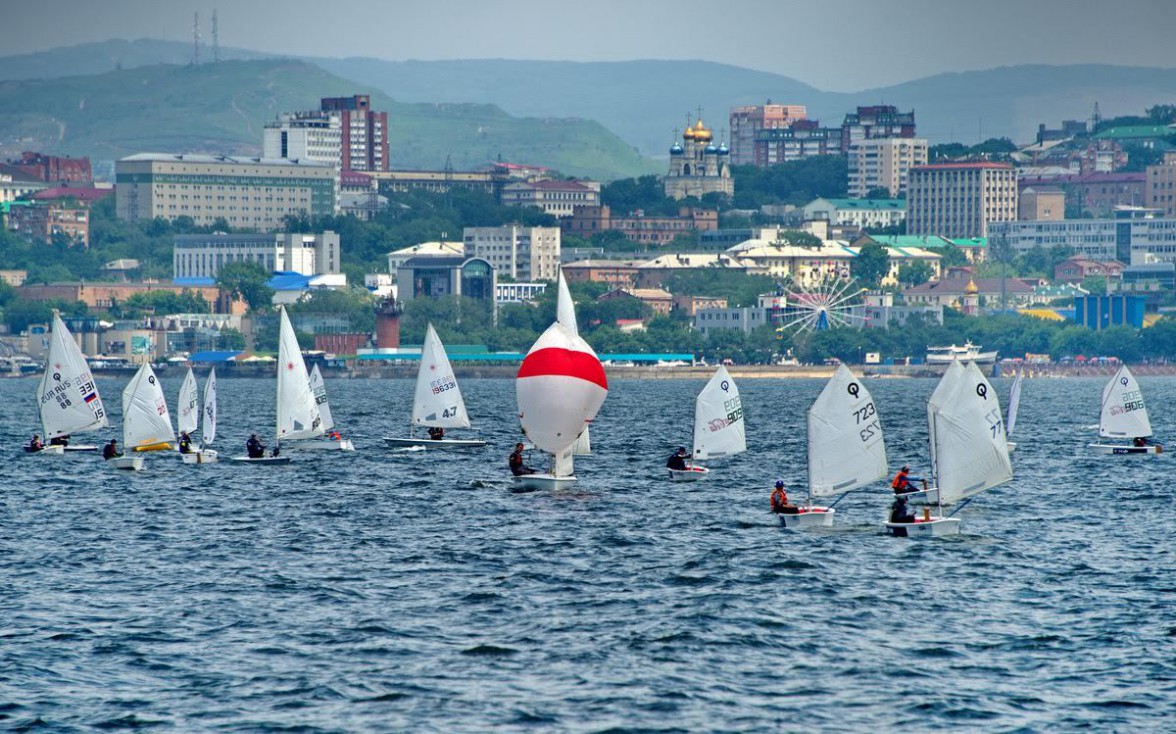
(272, 460)
(808, 517)
(428, 443)
(321, 444)
(689, 474)
(935, 527)
(202, 456)
(81, 447)
(1121, 450)
(47, 450)
(129, 463)
(535, 482)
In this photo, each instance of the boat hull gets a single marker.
(321, 444)
(808, 517)
(268, 460)
(1120, 450)
(933, 528)
(81, 447)
(428, 443)
(537, 482)
(128, 463)
(46, 450)
(690, 474)
(203, 456)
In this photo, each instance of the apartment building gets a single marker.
(1160, 186)
(883, 163)
(1136, 235)
(960, 199)
(522, 253)
(749, 120)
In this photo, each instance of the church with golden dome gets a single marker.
(698, 166)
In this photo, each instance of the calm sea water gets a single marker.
(394, 591)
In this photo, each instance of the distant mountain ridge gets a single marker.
(644, 101)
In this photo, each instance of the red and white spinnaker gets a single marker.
(560, 387)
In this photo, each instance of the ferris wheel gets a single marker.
(821, 306)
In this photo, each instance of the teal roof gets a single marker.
(908, 240)
(872, 204)
(1136, 132)
(970, 242)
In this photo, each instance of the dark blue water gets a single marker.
(382, 591)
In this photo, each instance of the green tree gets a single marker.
(871, 265)
(914, 273)
(246, 281)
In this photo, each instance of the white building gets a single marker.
(517, 292)
(1136, 236)
(861, 213)
(312, 136)
(521, 253)
(884, 163)
(203, 255)
(558, 198)
(812, 266)
(397, 258)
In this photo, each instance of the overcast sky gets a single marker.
(835, 45)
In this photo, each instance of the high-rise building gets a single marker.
(883, 163)
(878, 121)
(343, 132)
(1160, 186)
(960, 199)
(747, 121)
(249, 193)
(523, 253)
(698, 167)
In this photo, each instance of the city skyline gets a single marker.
(906, 39)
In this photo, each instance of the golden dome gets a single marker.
(689, 134)
(701, 133)
(971, 288)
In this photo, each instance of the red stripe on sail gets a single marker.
(566, 362)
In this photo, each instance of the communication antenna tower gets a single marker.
(215, 40)
(195, 39)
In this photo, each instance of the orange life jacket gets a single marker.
(779, 498)
(900, 480)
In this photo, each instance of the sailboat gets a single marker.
(188, 415)
(565, 313)
(297, 411)
(1124, 415)
(331, 440)
(1014, 405)
(436, 402)
(969, 446)
(718, 426)
(67, 394)
(146, 421)
(845, 447)
(560, 387)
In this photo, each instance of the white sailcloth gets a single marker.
(947, 384)
(209, 433)
(146, 422)
(565, 313)
(845, 445)
(437, 400)
(1123, 411)
(187, 410)
(67, 395)
(1014, 403)
(970, 441)
(298, 415)
(319, 388)
(560, 387)
(718, 418)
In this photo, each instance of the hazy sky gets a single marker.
(835, 45)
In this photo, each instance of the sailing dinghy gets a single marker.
(845, 447)
(1124, 415)
(718, 426)
(970, 448)
(67, 395)
(565, 313)
(1014, 405)
(331, 440)
(189, 417)
(297, 410)
(560, 387)
(146, 421)
(436, 401)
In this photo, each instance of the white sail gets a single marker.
(319, 388)
(437, 401)
(718, 418)
(845, 446)
(970, 441)
(146, 422)
(1014, 403)
(187, 405)
(298, 415)
(1123, 411)
(208, 435)
(565, 313)
(947, 384)
(67, 395)
(560, 387)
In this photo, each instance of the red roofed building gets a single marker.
(53, 169)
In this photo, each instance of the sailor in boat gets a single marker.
(780, 503)
(436, 433)
(277, 450)
(185, 443)
(254, 448)
(517, 465)
(901, 512)
(677, 460)
(110, 450)
(335, 435)
(902, 482)
(35, 443)
(62, 440)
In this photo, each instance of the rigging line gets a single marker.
(959, 507)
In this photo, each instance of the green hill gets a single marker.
(222, 108)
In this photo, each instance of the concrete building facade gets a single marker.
(1136, 236)
(960, 199)
(344, 132)
(203, 255)
(522, 253)
(1160, 186)
(557, 198)
(883, 163)
(637, 227)
(749, 120)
